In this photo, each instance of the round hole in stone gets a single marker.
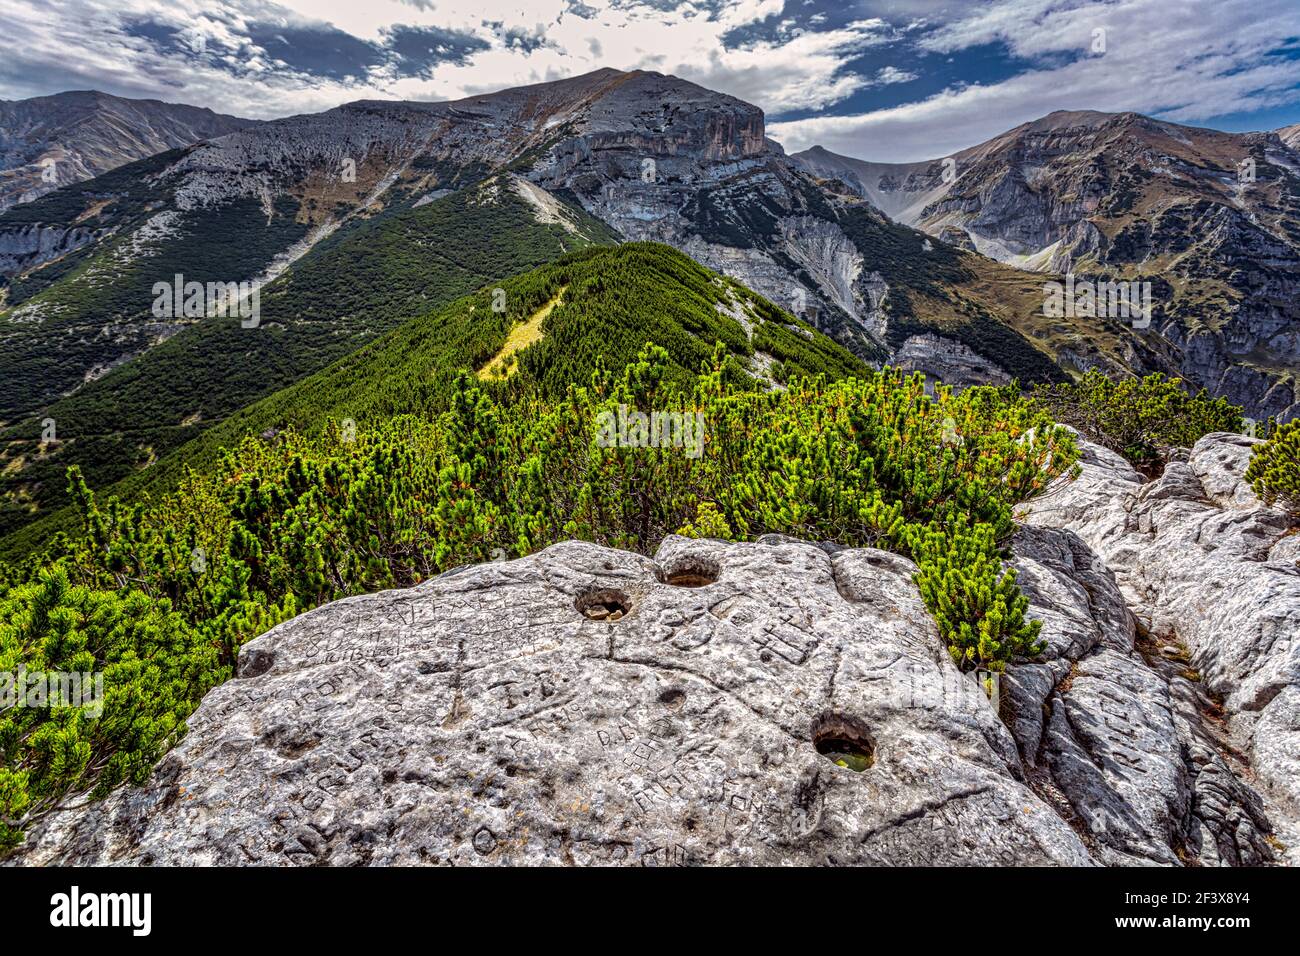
(844, 742)
(604, 604)
(673, 698)
(254, 662)
(692, 572)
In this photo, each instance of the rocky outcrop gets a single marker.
(725, 703)
(26, 245)
(947, 361)
(1213, 578)
(1116, 734)
(775, 702)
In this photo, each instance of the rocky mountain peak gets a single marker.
(1209, 219)
(50, 141)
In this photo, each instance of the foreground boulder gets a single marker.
(760, 703)
(1123, 739)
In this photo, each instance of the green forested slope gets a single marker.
(615, 301)
(348, 290)
(91, 308)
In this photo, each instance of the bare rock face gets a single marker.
(763, 703)
(948, 361)
(1114, 730)
(26, 245)
(1213, 579)
(50, 141)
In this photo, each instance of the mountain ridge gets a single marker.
(51, 141)
(649, 157)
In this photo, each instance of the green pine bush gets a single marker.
(155, 669)
(1274, 469)
(1141, 419)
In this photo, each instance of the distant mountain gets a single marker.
(654, 157)
(1211, 219)
(51, 141)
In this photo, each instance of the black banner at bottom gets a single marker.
(147, 906)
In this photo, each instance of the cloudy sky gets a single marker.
(896, 80)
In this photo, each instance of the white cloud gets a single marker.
(889, 75)
(1187, 62)
(83, 43)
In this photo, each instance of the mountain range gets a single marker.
(353, 221)
(1211, 219)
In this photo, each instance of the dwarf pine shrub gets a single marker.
(162, 594)
(1274, 469)
(1141, 419)
(139, 670)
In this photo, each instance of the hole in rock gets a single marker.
(254, 662)
(692, 573)
(606, 604)
(844, 742)
(673, 699)
(485, 841)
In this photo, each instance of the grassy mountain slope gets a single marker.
(348, 290)
(611, 302)
(81, 302)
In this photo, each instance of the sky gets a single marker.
(883, 80)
